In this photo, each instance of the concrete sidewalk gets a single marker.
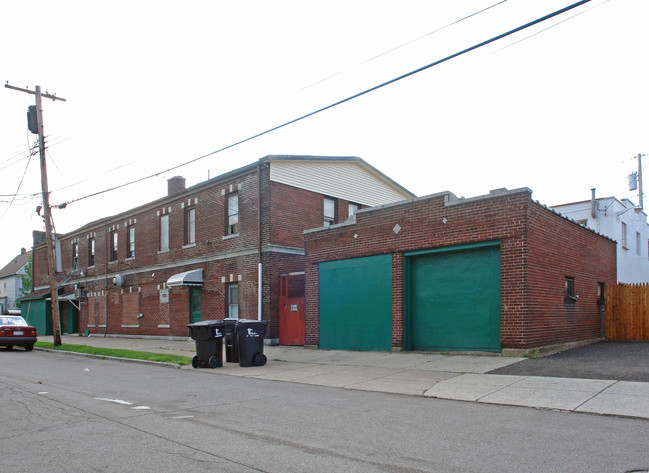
(455, 377)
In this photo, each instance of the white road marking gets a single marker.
(116, 401)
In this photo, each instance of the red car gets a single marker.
(15, 331)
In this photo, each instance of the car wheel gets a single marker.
(195, 362)
(29, 347)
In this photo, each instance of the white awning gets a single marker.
(188, 278)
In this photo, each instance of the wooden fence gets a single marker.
(627, 312)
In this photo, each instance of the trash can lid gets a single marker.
(206, 323)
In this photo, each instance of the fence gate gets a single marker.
(627, 312)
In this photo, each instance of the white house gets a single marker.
(11, 281)
(622, 221)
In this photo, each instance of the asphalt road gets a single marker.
(68, 414)
(622, 361)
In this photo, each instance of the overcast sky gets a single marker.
(560, 108)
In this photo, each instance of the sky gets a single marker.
(561, 107)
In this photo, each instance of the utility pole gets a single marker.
(47, 212)
(640, 181)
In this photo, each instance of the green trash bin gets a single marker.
(250, 338)
(208, 336)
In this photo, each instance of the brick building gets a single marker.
(197, 253)
(488, 273)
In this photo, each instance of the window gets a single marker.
(91, 252)
(570, 295)
(164, 233)
(601, 292)
(113, 245)
(233, 301)
(638, 243)
(75, 256)
(233, 215)
(624, 241)
(190, 226)
(329, 211)
(353, 208)
(130, 241)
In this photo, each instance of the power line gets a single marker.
(345, 100)
(400, 46)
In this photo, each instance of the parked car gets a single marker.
(14, 331)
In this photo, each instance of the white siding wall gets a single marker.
(631, 266)
(342, 179)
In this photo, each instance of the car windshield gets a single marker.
(12, 320)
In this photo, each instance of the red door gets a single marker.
(291, 311)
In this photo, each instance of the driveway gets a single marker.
(622, 361)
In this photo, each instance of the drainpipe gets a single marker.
(259, 242)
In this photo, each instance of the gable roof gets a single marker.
(15, 265)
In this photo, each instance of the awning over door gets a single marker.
(188, 278)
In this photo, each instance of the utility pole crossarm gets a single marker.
(33, 92)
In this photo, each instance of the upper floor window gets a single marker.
(75, 255)
(329, 211)
(113, 245)
(624, 239)
(190, 226)
(638, 244)
(353, 208)
(91, 252)
(130, 241)
(164, 233)
(233, 214)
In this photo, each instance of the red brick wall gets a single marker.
(528, 233)
(286, 212)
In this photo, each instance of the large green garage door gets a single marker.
(356, 304)
(453, 299)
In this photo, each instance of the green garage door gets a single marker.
(356, 304)
(453, 299)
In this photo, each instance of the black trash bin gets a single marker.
(250, 337)
(230, 340)
(208, 336)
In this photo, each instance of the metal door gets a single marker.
(291, 310)
(195, 304)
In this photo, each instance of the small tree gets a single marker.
(26, 279)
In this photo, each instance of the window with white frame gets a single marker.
(164, 233)
(190, 226)
(624, 239)
(232, 222)
(233, 301)
(75, 255)
(329, 212)
(113, 245)
(638, 244)
(353, 208)
(91, 251)
(130, 241)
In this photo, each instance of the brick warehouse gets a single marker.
(489, 273)
(196, 253)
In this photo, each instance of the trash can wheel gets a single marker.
(259, 359)
(213, 361)
(195, 362)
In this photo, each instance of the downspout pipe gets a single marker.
(259, 243)
(593, 204)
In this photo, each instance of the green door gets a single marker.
(453, 299)
(195, 304)
(356, 304)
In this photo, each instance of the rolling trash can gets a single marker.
(250, 337)
(230, 340)
(208, 336)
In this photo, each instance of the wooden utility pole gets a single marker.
(47, 212)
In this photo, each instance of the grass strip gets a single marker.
(119, 353)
